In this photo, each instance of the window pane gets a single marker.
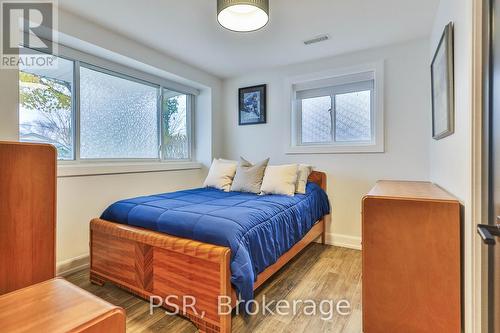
(45, 106)
(174, 118)
(353, 116)
(118, 117)
(316, 120)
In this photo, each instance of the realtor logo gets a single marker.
(27, 33)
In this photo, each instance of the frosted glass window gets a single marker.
(175, 125)
(46, 106)
(118, 117)
(317, 119)
(353, 116)
(333, 114)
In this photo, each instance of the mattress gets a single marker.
(257, 228)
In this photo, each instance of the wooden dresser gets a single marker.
(411, 259)
(27, 214)
(58, 306)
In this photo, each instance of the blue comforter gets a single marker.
(258, 229)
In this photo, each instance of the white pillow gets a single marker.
(280, 179)
(302, 176)
(221, 174)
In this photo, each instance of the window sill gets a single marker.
(335, 149)
(97, 169)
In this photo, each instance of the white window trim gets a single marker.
(311, 81)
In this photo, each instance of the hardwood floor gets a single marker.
(319, 273)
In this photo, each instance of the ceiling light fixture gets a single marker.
(243, 15)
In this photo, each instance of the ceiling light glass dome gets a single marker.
(243, 15)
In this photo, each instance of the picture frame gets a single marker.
(252, 105)
(443, 86)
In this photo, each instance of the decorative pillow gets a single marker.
(249, 176)
(280, 179)
(221, 174)
(302, 175)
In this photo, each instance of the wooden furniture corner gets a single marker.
(411, 259)
(27, 214)
(57, 306)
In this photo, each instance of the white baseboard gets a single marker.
(346, 241)
(72, 265)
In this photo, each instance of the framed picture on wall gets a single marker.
(443, 90)
(252, 105)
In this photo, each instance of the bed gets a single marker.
(176, 244)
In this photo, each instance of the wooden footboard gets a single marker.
(149, 263)
(153, 264)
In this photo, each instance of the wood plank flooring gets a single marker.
(320, 272)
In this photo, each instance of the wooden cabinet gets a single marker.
(411, 259)
(27, 214)
(58, 306)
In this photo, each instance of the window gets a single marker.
(334, 114)
(118, 117)
(316, 119)
(175, 122)
(94, 113)
(46, 107)
(353, 116)
(339, 114)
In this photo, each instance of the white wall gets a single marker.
(451, 158)
(350, 176)
(82, 198)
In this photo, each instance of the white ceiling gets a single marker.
(188, 29)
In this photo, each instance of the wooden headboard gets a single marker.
(318, 178)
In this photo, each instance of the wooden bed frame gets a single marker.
(149, 263)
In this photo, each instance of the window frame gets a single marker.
(332, 92)
(331, 83)
(81, 59)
